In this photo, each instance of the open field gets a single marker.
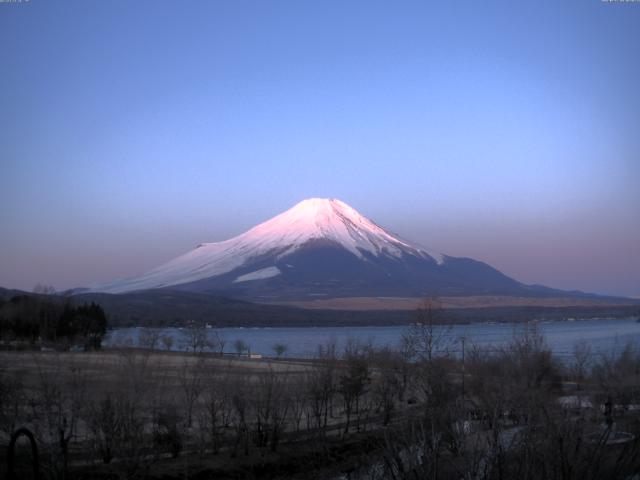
(105, 366)
(484, 301)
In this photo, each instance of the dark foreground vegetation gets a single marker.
(418, 412)
(31, 321)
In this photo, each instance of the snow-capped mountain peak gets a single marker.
(313, 219)
(328, 219)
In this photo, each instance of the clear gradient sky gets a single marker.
(132, 130)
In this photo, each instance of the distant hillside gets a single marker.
(164, 307)
(6, 293)
(175, 308)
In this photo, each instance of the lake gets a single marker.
(602, 335)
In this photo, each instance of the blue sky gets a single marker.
(130, 131)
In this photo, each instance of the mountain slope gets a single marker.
(322, 248)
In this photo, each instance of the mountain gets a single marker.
(323, 248)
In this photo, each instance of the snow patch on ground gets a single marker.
(258, 274)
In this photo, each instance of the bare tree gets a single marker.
(167, 341)
(427, 337)
(191, 382)
(280, 349)
(298, 398)
(195, 337)
(105, 423)
(616, 374)
(240, 346)
(387, 382)
(216, 414)
(57, 406)
(581, 360)
(240, 399)
(136, 391)
(149, 338)
(354, 379)
(321, 383)
(218, 342)
(271, 405)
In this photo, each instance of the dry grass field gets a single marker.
(485, 301)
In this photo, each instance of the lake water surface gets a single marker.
(602, 335)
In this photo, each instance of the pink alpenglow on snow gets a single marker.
(311, 219)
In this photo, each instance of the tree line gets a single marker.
(47, 320)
